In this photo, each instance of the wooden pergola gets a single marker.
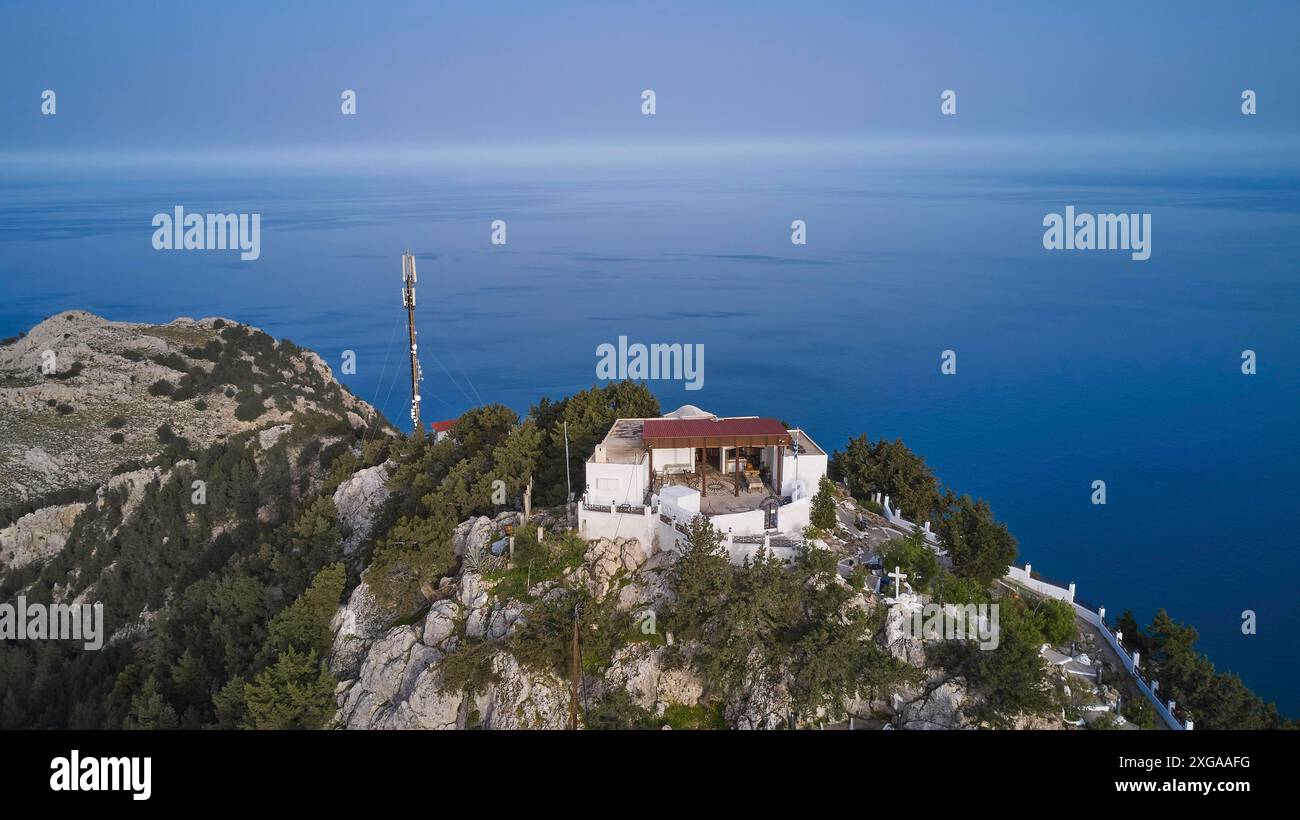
(665, 434)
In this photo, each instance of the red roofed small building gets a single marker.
(440, 429)
(752, 477)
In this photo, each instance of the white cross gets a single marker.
(898, 578)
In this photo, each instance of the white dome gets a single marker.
(689, 411)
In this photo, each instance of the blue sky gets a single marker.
(170, 76)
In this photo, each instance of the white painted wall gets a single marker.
(673, 455)
(609, 483)
(679, 502)
(593, 525)
(810, 472)
(749, 522)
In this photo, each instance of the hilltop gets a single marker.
(330, 572)
(80, 395)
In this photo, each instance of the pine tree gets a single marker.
(304, 625)
(296, 692)
(823, 506)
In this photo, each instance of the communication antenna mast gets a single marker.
(408, 302)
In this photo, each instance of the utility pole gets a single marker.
(573, 699)
(408, 301)
(568, 483)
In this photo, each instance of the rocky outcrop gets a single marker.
(640, 669)
(440, 623)
(936, 707)
(397, 683)
(357, 500)
(355, 626)
(268, 437)
(393, 676)
(474, 533)
(37, 535)
(606, 560)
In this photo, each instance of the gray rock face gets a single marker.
(388, 676)
(901, 645)
(649, 588)
(400, 687)
(504, 620)
(268, 437)
(639, 669)
(440, 623)
(473, 594)
(521, 699)
(473, 533)
(607, 559)
(766, 703)
(935, 708)
(37, 535)
(135, 483)
(357, 500)
(354, 626)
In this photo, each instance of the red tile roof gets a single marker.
(669, 432)
(442, 426)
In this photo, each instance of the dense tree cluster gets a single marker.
(888, 467)
(1213, 699)
(764, 621)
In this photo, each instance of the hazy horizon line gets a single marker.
(1236, 150)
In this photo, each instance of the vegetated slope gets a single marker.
(80, 395)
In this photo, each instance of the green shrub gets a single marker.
(172, 361)
(858, 579)
(116, 423)
(64, 409)
(72, 371)
(248, 411)
(117, 438)
(162, 387)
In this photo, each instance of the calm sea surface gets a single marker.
(1072, 367)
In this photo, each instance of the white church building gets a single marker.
(752, 477)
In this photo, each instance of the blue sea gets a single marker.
(1071, 366)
